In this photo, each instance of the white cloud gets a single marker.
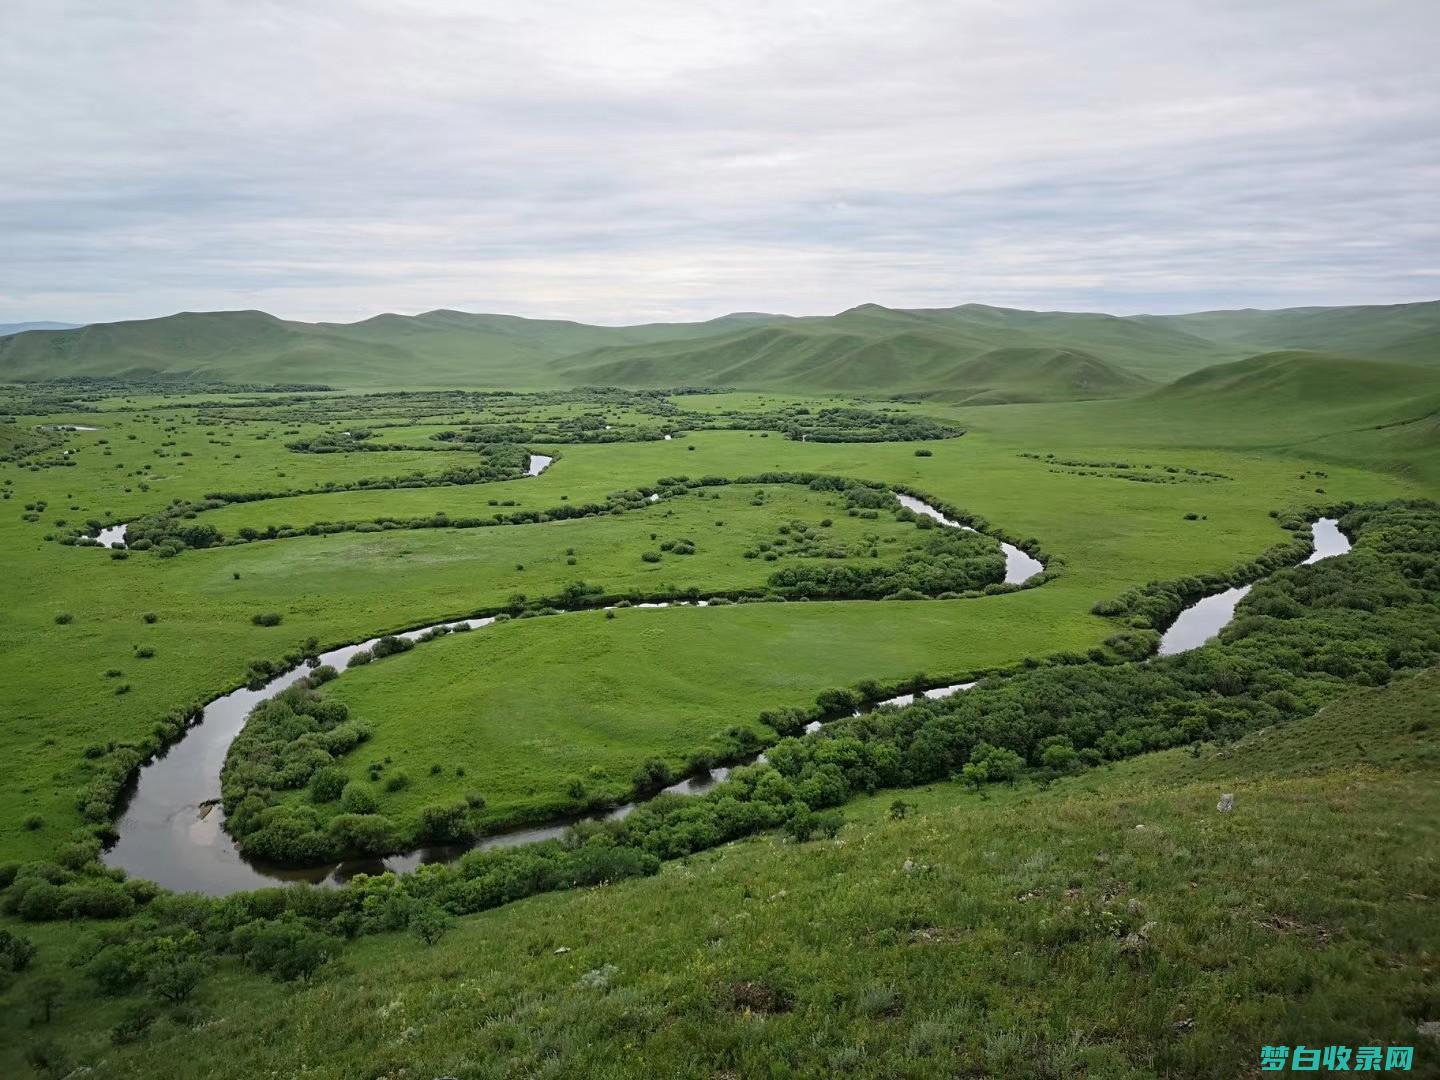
(650, 159)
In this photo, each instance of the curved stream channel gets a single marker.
(172, 829)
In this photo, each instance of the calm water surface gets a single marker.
(1203, 620)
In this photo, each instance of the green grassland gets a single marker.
(1004, 949)
(1109, 533)
(526, 707)
(1113, 925)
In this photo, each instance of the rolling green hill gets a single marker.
(1314, 383)
(436, 348)
(970, 353)
(1406, 333)
(913, 361)
(873, 348)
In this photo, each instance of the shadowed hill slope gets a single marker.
(873, 348)
(1406, 333)
(1317, 383)
(807, 358)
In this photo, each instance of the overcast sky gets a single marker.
(626, 160)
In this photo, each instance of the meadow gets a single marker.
(957, 908)
(1106, 534)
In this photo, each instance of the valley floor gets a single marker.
(1112, 923)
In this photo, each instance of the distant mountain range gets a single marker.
(21, 327)
(971, 353)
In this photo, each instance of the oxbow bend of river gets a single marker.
(172, 829)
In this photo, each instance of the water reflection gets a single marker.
(1203, 620)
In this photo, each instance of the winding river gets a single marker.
(1204, 619)
(172, 828)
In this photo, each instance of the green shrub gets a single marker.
(327, 784)
(16, 952)
(267, 618)
(445, 824)
(284, 948)
(355, 798)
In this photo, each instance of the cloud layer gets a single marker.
(645, 159)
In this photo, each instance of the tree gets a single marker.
(429, 923)
(1000, 764)
(976, 775)
(990, 764)
(47, 992)
(174, 979)
(283, 947)
(802, 823)
(1059, 758)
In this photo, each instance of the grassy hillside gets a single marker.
(1032, 355)
(1036, 374)
(1408, 333)
(1027, 355)
(1113, 925)
(436, 348)
(1333, 391)
(990, 354)
(1314, 409)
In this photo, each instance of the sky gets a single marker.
(633, 160)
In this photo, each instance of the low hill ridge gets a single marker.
(871, 348)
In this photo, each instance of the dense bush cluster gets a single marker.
(803, 424)
(291, 741)
(948, 562)
(863, 425)
(797, 422)
(584, 428)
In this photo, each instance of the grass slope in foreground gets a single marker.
(1114, 925)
